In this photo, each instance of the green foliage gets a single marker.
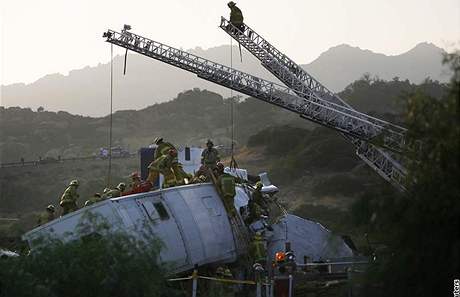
(338, 184)
(374, 95)
(421, 228)
(102, 263)
(298, 151)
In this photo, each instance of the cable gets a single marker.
(111, 117)
(231, 98)
(232, 121)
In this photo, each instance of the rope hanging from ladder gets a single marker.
(233, 163)
(109, 174)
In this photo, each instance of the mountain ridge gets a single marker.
(86, 90)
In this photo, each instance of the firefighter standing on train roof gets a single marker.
(69, 198)
(96, 198)
(46, 216)
(162, 149)
(165, 166)
(117, 192)
(210, 155)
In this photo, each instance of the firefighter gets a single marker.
(257, 250)
(96, 198)
(104, 193)
(161, 150)
(182, 177)
(135, 180)
(210, 156)
(226, 187)
(165, 167)
(117, 191)
(216, 288)
(202, 175)
(46, 216)
(162, 147)
(236, 16)
(228, 289)
(69, 198)
(256, 204)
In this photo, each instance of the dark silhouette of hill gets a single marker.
(311, 164)
(86, 91)
(189, 119)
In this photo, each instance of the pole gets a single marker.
(258, 284)
(267, 287)
(272, 287)
(194, 280)
(290, 285)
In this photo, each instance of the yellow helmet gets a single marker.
(121, 186)
(258, 236)
(259, 185)
(228, 273)
(74, 183)
(220, 270)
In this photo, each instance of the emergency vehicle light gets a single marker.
(280, 256)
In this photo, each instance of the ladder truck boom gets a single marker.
(296, 78)
(309, 106)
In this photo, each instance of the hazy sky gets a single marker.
(40, 37)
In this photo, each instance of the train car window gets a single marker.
(187, 154)
(150, 210)
(161, 210)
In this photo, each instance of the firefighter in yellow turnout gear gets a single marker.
(163, 160)
(47, 216)
(161, 150)
(117, 191)
(257, 250)
(256, 204)
(69, 198)
(95, 199)
(164, 165)
(226, 185)
(221, 289)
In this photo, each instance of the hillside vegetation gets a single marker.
(315, 168)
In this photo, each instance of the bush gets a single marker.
(100, 264)
(337, 184)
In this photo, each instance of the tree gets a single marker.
(101, 263)
(421, 229)
(40, 109)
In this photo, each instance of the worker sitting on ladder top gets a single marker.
(236, 16)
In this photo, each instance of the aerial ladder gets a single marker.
(302, 83)
(305, 102)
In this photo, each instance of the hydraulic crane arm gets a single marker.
(308, 106)
(296, 78)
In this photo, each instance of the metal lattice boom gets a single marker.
(309, 106)
(301, 82)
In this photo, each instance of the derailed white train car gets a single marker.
(190, 220)
(193, 225)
